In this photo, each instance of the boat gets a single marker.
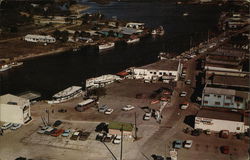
(164, 55)
(101, 81)
(159, 31)
(106, 46)
(16, 64)
(132, 40)
(67, 94)
(153, 32)
(5, 67)
(185, 14)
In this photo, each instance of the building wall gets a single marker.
(225, 101)
(118, 132)
(10, 113)
(222, 69)
(218, 125)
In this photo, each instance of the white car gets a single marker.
(183, 94)
(184, 106)
(128, 108)
(188, 82)
(15, 126)
(117, 140)
(6, 126)
(43, 129)
(109, 111)
(188, 144)
(147, 116)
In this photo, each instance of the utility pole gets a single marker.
(135, 128)
(121, 142)
(47, 111)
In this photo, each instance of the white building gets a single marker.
(14, 109)
(220, 120)
(39, 38)
(165, 70)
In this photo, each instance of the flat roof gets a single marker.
(231, 80)
(171, 65)
(29, 95)
(211, 90)
(120, 125)
(13, 100)
(230, 66)
(222, 59)
(222, 115)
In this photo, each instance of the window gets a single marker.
(206, 95)
(238, 128)
(217, 103)
(170, 74)
(154, 72)
(228, 97)
(219, 96)
(226, 104)
(151, 72)
(205, 102)
(160, 73)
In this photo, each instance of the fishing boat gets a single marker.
(101, 81)
(5, 67)
(106, 46)
(16, 64)
(67, 94)
(133, 40)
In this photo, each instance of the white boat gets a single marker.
(153, 32)
(159, 31)
(185, 14)
(67, 94)
(106, 46)
(130, 41)
(101, 81)
(5, 67)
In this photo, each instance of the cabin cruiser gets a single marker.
(106, 46)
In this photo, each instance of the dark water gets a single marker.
(51, 74)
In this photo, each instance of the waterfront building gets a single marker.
(39, 38)
(221, 120)
(165, 70)
(14, 109)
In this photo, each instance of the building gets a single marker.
(14, 109)
(39, 38)
(115, 128)
(220, 120)
(165, 70)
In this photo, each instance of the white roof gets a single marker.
(39, 36)
(67, 91)
(13, 100)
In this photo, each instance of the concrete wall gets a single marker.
(225, 101)
(218, 125)
(11, 113)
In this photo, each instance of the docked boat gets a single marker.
(153, 32)
(185, 14)
(5, 67)
(106, 46)
(101, 81)
(159, 31)
(67, 94)
(133, 40)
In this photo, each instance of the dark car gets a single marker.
(108, 138)
(57, 123)
(84, 136)
(157, 157)
(101, 127)
(196, 132)
(100, 137)
(75, 135)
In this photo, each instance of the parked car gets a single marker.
(157, 157)
(75, 135)
(128, 108)
(224, 149)
(100, 136)
(50, 130)
(212, 45)
(196, 132)
(57, 123)
(188, 82)
(109, 111)
(178, 144)
(184, 105)
(66, 133)
(101, 127)
(6, 126)
(84, 136)
(58, 132)
(15, 126)
(208, 132)
(117, 139)
(188, 144)
(102, 108)
(108, 138)
(183, 94)
(43, 129)
(147, 116)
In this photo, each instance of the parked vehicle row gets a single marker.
(178, 144)
(12, 126)
(105, 109)
(104, 137)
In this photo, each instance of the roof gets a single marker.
(67, 91)
(223, 66)
(120, 125)
(231, 80)
(170, 65)
(221, 115)
(13, 100)
(222, 59)
(219, 91)
(30, 95)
